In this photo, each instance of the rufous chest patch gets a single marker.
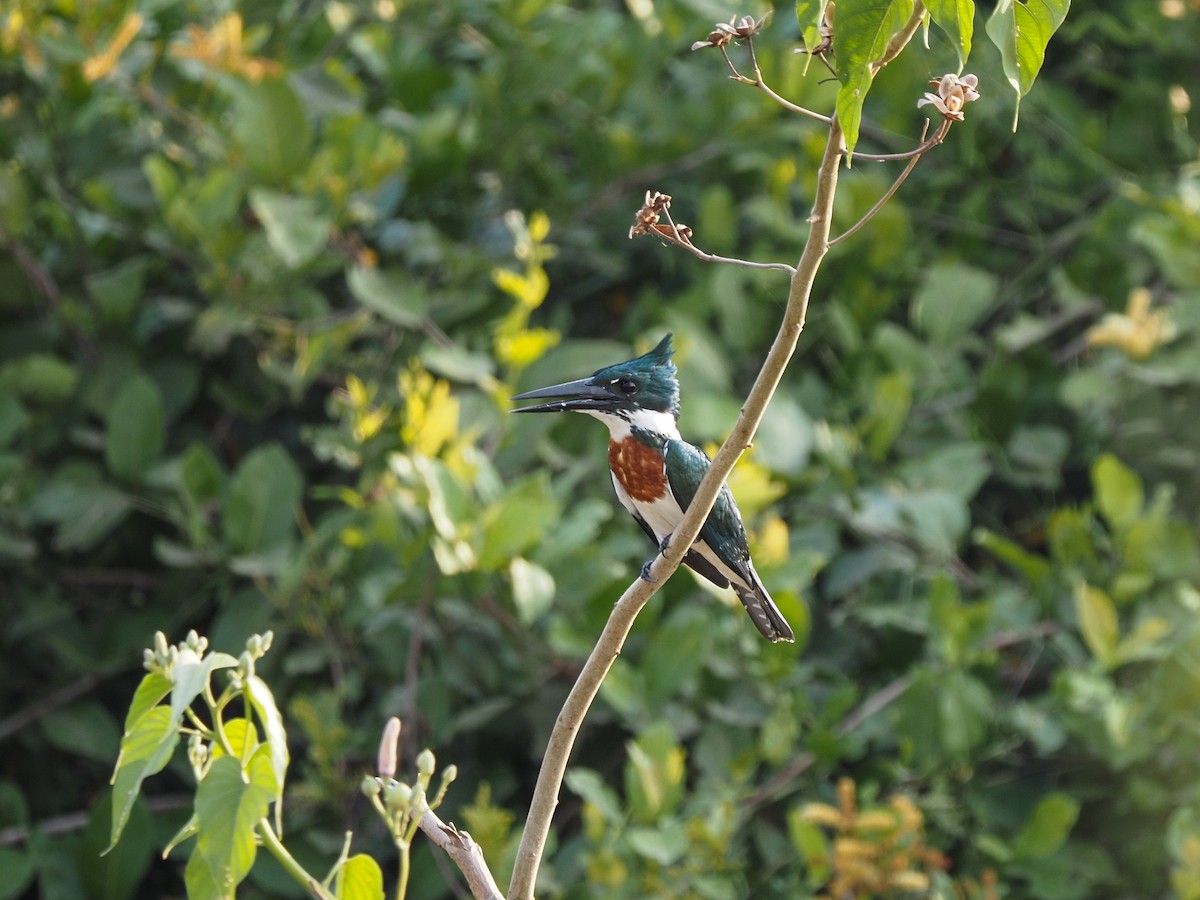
(639, 469)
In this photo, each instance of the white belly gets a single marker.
(663, 516)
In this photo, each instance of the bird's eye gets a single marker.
(626, 385)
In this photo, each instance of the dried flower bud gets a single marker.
(389, 748)
(723, 34)
(645, 220)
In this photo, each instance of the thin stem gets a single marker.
(924, 147)
(757, 82)
(402, 884)
(788, 104)
(289, 863)
(680, 239)
(612, 638)
(888, 194)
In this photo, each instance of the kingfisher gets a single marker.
(656, 473)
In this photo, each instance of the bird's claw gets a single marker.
(662, 549)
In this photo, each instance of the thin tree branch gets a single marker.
(570, 719)
(922, 148)
(467, 855)
(681, 238)
(887, 195)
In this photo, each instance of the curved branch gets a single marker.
(570, 719)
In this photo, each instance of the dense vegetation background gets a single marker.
(270, 272)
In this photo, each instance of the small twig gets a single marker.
(757, 82)
(924, 147)
(77, 821)
(680, 238)
(467, 855)
(887, 195)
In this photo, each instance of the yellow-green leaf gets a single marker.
(1098, 621)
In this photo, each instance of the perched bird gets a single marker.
(656, 473)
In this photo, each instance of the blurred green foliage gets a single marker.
(270, 271)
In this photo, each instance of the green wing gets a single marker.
(723, 531)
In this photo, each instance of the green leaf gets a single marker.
(274, 734)
(116, 875)
(264, 493)
(891, 399)
(654, 773)
(15, 864)
(1098, 621)
(1021, 29)
(957, 19)
(84, 728)
(397, 297)
(810, 14)
(518, 520)
(191, 676)
(864, 28)
(533, 589)
(40, 378)
(360, 879)
(229, 806)
(590, 786)
(952, 298)
(1035, 569)
(146, 749)
(200, 475)
(295, 227)
(137, 428)
(1119, 494)
(664, 844)
(1048, 828)
(810, 841)
(1143, 641)
(271, 128)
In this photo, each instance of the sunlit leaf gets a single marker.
(1119, 495)
(1098, 621)
(957, 19)
(295, 226)
(863, 28)
(228, 809)
(1048, 827)
(146, 749)
(360, 879)
(1021, 29)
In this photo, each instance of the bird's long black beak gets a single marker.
(583, 394)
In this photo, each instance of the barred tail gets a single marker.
(764, 613)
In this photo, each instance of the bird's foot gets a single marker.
(662, 549)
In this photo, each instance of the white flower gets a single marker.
(953, 92)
